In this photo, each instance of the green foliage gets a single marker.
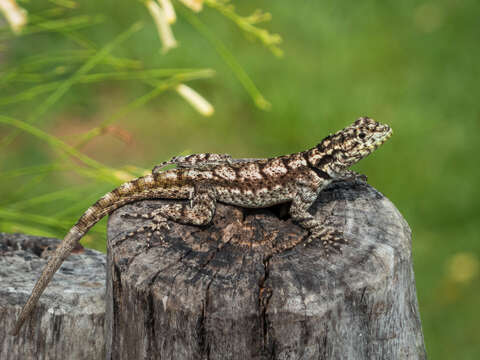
(413, 65)
(44, 80)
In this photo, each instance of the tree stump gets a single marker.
(68, 322)
(245, 286)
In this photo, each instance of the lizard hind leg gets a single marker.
(153, 228)
(198, 211)
(331, 238)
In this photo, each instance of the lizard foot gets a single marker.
(361, 177)
(332, 239)
(353, 176)
(156, 224)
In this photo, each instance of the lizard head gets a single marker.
(348, 146)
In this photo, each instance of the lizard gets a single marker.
(199, 181)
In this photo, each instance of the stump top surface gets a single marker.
(68, 321)
(81, 279)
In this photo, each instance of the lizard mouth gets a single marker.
(385, 136)
(381, 138)
(388, 135)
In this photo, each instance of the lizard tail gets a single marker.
(53, 264)
(147, 187)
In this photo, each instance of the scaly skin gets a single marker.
(205, 179)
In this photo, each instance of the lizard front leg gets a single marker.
(330, 237)
(198, 211)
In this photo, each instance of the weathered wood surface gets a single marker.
(68, 322)
(246, 288)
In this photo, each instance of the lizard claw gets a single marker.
(362, 177)
(353, 176)
(332, 240)
(159, 223)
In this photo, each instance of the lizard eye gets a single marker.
(362, 135)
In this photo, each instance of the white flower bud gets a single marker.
(163, 27)
(195, 99)
(15, 15)
(195, 5)
(169, 10)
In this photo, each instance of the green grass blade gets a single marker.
(35, 91)
(22, 189)
(38, 62)
(271, 41)
(19, 227)
(64, 194)
(31, 170)
(64, 24)
(58, 145)
(140, 75)
(67, 84)
(20, 217)
(66, 3)
(230, 60)
(30, 93)
(78, 207)
(159, 88)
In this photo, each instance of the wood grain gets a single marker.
(245, 287)
(68, 322)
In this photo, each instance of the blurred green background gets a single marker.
(412, 64)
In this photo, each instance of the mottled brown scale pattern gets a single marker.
(200, 180)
